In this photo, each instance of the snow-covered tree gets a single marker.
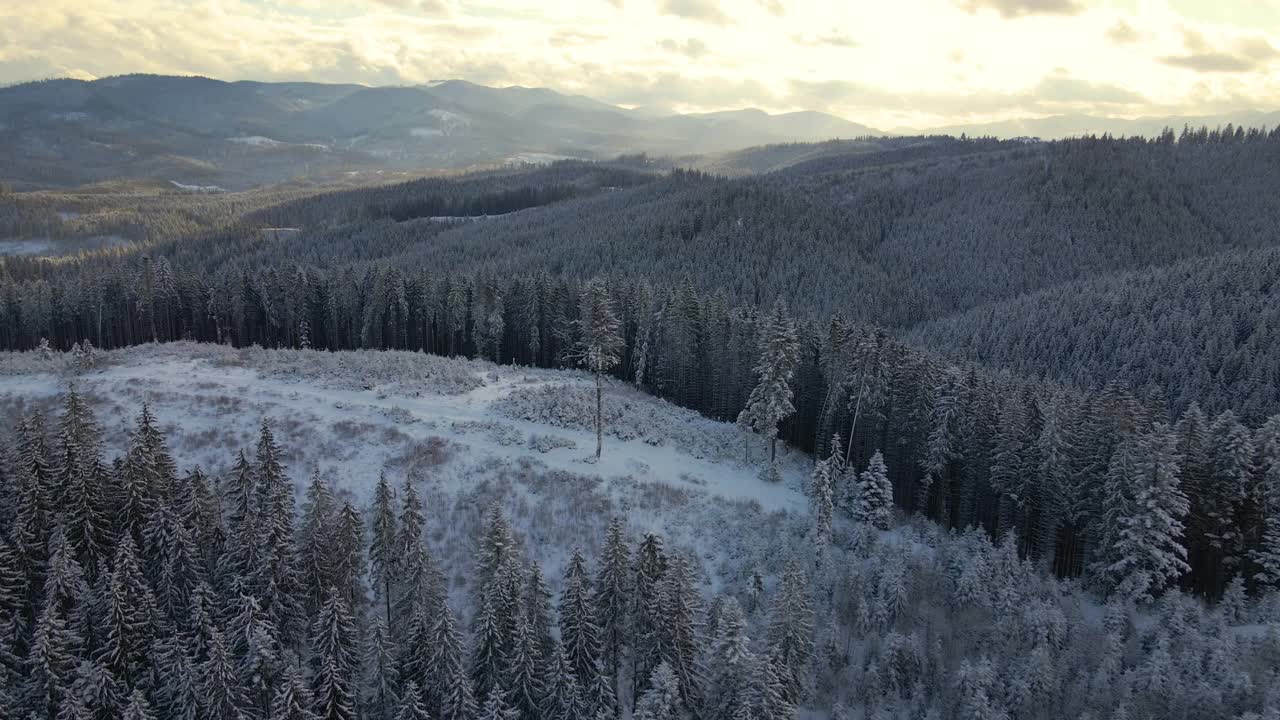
(1143, 527)
(1267, 555)
(661, 701)
(770, 400)
(612, 593)
(874, 501)
(335, 660)
(599, 344)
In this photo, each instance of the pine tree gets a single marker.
(382, 677)
(1233, 473)
(410, 706)
(275, 581)
(382, 548)
(1143, 526)
(317, 544)
(536, 606)
(1267, 555)
(131, 618)
(791, 632)
(564, 698)
(768, 694)
(874, 505)
(335, 660)
(172, 562)
(255, 645)
(497, 708)
(524, 671)
(82, 481)
(822, 494)
(681, 629)
(578, 632)
(201, 512)
(243, 554)
(612, 591)
(646, 611)
(731, 665)
(292, 699)
(222, 695)
(661, 701)
(770, 401)
(138, 707)
(456, 701)
(50, 663)
(599, 343)
(349, 567)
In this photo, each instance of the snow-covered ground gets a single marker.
(468, 432)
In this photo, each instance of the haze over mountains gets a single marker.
(203, 132)
(208, 134)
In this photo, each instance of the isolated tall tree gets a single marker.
(599, 345)
(770, 400)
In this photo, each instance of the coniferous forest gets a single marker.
(1052, 365)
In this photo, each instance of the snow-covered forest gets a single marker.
(151, 572)
(932, 428)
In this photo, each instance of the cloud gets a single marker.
(1245, 55)
(773, 7)
(425, 6)
(1055, 93)
(1020, 8)
(831, 39)
(1122, 33)
(575, 38)
(707, 11)
(693, 47)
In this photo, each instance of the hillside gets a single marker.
(237, 135)
(493, 497)
(1204, 331)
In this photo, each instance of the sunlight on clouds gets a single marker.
(910, 63)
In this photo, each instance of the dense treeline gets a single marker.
(483, 193)
(963, 446)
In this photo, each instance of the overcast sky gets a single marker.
(886, 63)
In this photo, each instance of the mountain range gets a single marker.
(199, 132)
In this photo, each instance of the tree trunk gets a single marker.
(599, 424)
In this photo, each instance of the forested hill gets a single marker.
(1205, 330)
(900, 232)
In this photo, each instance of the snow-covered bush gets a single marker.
(547, 443)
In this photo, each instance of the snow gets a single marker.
(25, 247)
(467, 429)
(266, 142)
(197, 188)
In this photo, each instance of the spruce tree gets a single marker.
(335, 660)
(1142, 532)
(599, 344)
(612, 591)
(770, 401)
(578, 631)
(131, 618)
(138, 707)
(382, 677)
(646, 611)
(222, 695)
(661, 700)
(875, 494)
(791, 632)
(292, 699)
(382, 547)
(681, 629)
(1267, 555)
(410, 706)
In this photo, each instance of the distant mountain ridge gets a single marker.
(192, 129)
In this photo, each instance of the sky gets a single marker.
(890, 64)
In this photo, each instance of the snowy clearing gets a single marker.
(467, 431)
